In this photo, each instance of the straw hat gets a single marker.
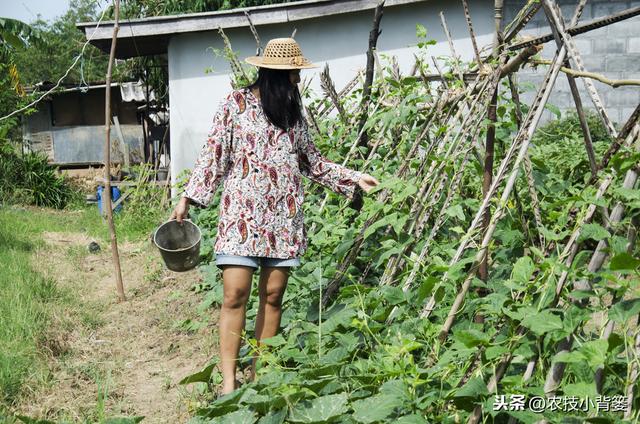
(281, 53)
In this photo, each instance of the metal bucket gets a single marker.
(179, 244)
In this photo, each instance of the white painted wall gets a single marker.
(340, 40)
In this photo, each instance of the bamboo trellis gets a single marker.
(463, 101)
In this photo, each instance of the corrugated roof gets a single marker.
(150, 36)
(130, 91)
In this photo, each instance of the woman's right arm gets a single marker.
(212, 163)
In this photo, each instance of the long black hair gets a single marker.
(280, 99)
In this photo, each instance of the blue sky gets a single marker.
(27, 10)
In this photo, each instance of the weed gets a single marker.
(30, 179)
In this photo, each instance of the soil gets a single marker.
(111, 358)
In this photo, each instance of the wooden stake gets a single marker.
(487, 177)
(472, 35)
(330, 90)
(454, 55)
(520, 145)
(107, 156)
(363, 140)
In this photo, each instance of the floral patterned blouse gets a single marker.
(261, 165)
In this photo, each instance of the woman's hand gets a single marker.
(181, 210)
(367, 182)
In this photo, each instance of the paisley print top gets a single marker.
(261, 166)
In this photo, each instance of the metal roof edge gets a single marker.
(205, 14)
(233, 18)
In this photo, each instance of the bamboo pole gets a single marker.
(107, 156)
(573, 53)
(454, 55)
(614, 83)
(434, 179)
(368, 82)
(556, 22)
(528, 171)
(330, 90)
(489, 146)
(609, 325)
(598, 257)
(472, 35)
(524, 16)
(566, 256)
(521, 144)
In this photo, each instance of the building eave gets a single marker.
(150, 36)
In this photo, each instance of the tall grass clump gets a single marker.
(30, 179)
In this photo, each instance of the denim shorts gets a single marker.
(254, 261)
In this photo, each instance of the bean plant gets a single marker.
(369, 357)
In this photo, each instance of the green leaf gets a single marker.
(320, 409)
(624, 261)
(241, 416)
(569, 357)
(13, 40)
(411, 419)
(409, 190)
(455, 211)
(471, 337)
(595, 352)
(396, 387)
(375, 408)
(542, 322)
(426, 287)
(553, 109)
(581, 390)
(495, 351)
(274, 417)
(473, 388)
(523, 270)
(393, 294)
(399, 223)
(277, 340)
(593, 231)
(623, 311)
(202, 376)
(380, 223)
(550, 235)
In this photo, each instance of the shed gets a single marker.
(69, 125)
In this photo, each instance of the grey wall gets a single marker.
(613, 51)
(340, 40)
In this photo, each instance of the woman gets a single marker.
(259, 146)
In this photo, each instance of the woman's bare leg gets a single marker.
(273, 282)
(237, 288)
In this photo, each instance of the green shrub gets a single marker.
(30, 179)
(559, 151)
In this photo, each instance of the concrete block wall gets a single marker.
(613, 51)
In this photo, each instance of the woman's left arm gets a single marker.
(321, 170)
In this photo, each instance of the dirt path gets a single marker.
(114, 359)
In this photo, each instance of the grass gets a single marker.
(25, 296)
(29, 301)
